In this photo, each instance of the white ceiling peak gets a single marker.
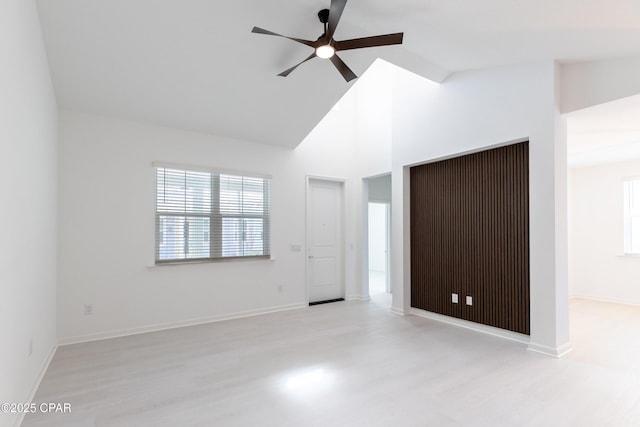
(194, 64)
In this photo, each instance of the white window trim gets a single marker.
(210, 169)
(213, 170)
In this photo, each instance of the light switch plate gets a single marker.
(454, 298)
(469, 300)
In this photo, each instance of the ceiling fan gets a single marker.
(326, 46)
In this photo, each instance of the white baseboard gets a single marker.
(174, 325)
(36, 384)
(398, 311)
(556, 352)
(604, 299)
(477, 327)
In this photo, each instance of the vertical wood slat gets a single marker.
(470, 236)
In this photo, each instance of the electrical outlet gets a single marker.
(469, 300)
(88, 309)
(454, 298)
(279, 288)
(296, 248)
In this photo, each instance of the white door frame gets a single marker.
(342, 183)
(388, 248)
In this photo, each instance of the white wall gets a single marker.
(28, 185)
(598, 269)
(380, 189)
(107, 224)
(476, 110)
(374, 105)
(591, 83)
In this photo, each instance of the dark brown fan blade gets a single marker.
(309, 43)
(335, 12)
(373, 41)
(342, 67)
(285, 73)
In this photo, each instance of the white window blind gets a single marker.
(211, 216)
(632, 216)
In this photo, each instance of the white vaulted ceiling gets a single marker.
(194, 64)
(605, 133)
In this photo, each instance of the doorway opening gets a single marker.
(603, 161)
(378, 214)
(379, 248)
(603, 164)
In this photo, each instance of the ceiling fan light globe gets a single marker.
(325, 52)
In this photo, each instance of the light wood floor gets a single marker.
(350, 364)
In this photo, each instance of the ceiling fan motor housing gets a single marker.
(323, 15)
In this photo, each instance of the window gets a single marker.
(632, 216)
(210, 216)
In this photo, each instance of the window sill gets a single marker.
(210, 261)
(628, 256)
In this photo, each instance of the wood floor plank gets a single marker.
(349, 364)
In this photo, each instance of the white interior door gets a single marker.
(324, 240)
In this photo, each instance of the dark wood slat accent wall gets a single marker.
(470, 236)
